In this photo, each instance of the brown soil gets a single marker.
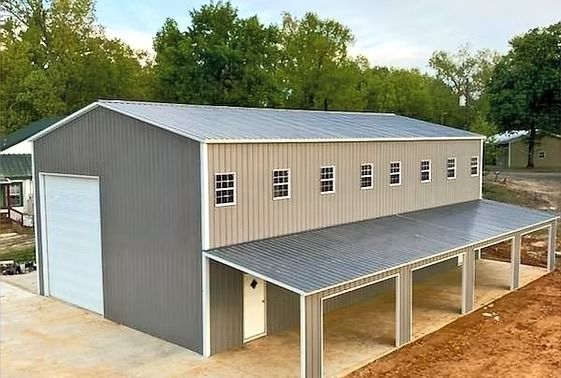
(524, 341)
(533, 251)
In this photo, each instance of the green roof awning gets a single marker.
(15, 166)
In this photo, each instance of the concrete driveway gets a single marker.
(43, 337)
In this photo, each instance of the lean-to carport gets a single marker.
(322, 263)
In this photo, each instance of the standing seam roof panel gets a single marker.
(314, 260)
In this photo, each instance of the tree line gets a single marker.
(56, 58)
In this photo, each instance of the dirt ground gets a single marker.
(525, 341)
(533, 251)
(544, 188)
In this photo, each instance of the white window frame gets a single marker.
(455, 168)
(371, 176)
(471, 166)
(324, 180)
(234, 188)
(541, 157)
(398, 173)
(429, 170)
(278, 184)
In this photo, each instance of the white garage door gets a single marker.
(73, 240)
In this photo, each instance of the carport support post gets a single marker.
(404, 307)
(311, 336)
(468, 281)
(551, 247)
(515, 261)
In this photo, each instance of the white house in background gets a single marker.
(16, 186)
(514, 150)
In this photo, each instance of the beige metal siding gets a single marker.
(550, 145)
(256, 215)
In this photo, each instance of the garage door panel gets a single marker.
(74, 240)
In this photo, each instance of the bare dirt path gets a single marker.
(546, 185)
(524, 342)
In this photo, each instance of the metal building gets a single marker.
(212, 226)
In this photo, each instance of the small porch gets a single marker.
(341, 297)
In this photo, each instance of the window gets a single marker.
(281, 184)
(225, 189)
(425, 171)
(366, 176)
(327, 180)
(12, 195)
(395, 173)
(474, 166)
(541, 155)
(451, 168)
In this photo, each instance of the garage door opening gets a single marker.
(71, 239)
(437, 295)
(359, 326)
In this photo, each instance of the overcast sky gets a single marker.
(397, 33)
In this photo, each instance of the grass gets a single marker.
(498, 192)
(19, 255)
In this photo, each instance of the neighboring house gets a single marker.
(514, 150)
(15, 171)
(212, 226)
(16, 188)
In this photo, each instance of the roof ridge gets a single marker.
(175, 104)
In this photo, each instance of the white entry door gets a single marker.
(253, 307)
(72, 237)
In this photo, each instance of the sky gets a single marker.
(389, 33)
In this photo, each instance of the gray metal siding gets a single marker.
(430, 270)
(359, 295)
(150, 218)
(283, 309)
(226, 307)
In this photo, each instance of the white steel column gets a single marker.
(206, 305)
(404, 307)
(311, 337)
(468, 281)
(515, 261)
(551, 246)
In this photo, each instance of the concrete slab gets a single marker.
(24, 281)
(45, 337)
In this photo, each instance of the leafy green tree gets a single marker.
(221, 59)
(525, 89)
(317, 72)
(56, 59)
(466, 73)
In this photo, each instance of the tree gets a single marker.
(317, 72)
(220, 59)
(525, 88)
(56, 59)
(466, 73)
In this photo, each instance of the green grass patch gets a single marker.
(501, 193)
(19, 255)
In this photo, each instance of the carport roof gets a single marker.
(313, 261)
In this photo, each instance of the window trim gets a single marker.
(273, 184)
(544, 155)
(421, 171)
(371, 176)
(399, 173)
(471, 166)
(331, 179)
(234, 188)
(455, 168)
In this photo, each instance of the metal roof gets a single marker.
(312, 261)
(15, 166)
(26, 132)
(512, 136)
(221, 124)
